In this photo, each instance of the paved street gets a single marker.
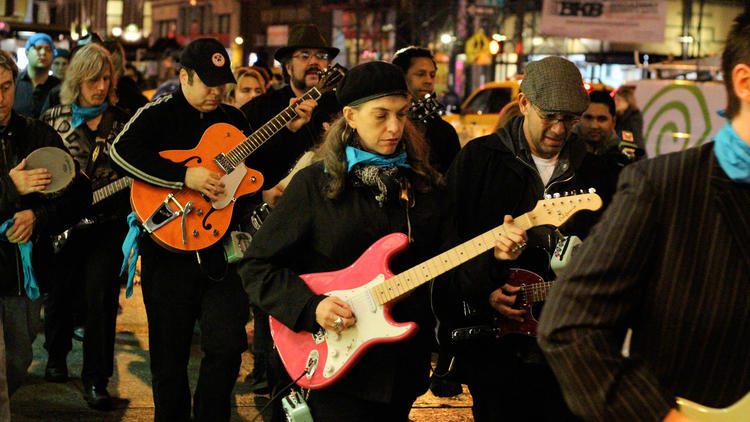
(43, 401)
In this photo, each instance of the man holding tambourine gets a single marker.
(28, 213)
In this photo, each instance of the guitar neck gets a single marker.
(536, 293)
(414, 277)
(111, 189)
(551, 211)
(260, 136)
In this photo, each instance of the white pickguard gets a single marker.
(371, 324)
(231, 183)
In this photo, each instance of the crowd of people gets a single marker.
(665, 258)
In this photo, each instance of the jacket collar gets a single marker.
(512, 139)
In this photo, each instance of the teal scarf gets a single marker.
(130, 251)
(356, 156)
(733, 154)
(82, 115)
(29, 280)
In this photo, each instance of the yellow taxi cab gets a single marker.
(479, 112)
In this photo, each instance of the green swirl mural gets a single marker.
(688, 101)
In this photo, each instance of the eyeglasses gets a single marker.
(550, 119)
(305, 56)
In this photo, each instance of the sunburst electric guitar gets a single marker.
(371, 289)
(186, 220)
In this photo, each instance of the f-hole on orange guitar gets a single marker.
(185, 220)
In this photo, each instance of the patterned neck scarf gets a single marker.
(384, 181)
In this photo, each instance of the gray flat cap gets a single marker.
(555, 85)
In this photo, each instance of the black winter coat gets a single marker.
(53, 214)
(495, 175)
(309, 233)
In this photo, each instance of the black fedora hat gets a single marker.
(304, 36)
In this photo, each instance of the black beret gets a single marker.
(369, 81)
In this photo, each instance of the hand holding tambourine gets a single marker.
(47, 170)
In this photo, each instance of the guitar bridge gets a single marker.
(163, 214)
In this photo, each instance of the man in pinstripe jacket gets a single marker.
(670, 259)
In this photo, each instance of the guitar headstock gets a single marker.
(425, 109)
(330, 77)
(556, 209)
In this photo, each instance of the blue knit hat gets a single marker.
(40, 38)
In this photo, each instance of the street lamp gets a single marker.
(446, 38)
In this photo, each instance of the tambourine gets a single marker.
(58, 162)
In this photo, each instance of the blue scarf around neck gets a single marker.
(356, 156)
(82, 115)
(733, 154)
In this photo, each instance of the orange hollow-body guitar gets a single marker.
(185, 219)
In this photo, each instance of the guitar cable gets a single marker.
(279, 393)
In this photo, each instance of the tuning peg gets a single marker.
(547, 196)
(556, 195)
(592, 190)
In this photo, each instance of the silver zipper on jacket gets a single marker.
(536, 170)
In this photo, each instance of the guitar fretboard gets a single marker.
(416, 276)
(111, 189)
(553, 211)
(537, 292)
(254, 141)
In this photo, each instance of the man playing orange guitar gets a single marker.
(179, 289)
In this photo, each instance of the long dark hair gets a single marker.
(332, 153)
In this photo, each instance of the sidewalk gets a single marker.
(42, 401)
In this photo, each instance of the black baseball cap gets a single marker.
(209, 59)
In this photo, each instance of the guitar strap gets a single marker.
(105, 126)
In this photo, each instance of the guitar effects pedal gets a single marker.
(295, 408)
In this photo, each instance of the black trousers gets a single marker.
(88, 265)
(177, 294)
(509, 380)
(262, 344)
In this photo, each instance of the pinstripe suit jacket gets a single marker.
(671, 259)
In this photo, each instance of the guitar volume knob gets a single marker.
(195, 233)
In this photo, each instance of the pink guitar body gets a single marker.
(331, 355)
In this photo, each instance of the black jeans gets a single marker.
(177, 294)
(509, 380)
(88, 265)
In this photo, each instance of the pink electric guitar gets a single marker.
(372, 290)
